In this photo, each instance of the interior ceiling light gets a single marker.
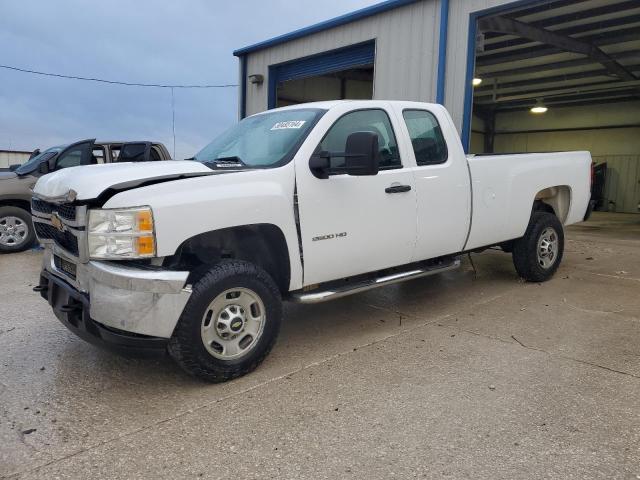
(539, 107)
(476, 82)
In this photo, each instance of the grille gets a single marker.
(66, 240)
(65, 210)
(65, 266)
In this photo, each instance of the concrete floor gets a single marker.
(453, 376)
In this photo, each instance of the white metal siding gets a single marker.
(11, 158)
(406, 53)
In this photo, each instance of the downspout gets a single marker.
(243, 86)
(442, 51)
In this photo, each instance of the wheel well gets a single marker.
(261, 244)
(24, 204)
(556, 200)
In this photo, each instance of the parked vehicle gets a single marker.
(16, 230)
(306, 203)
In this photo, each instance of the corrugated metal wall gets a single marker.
(622, 187)
(406, 53)
(10, 158)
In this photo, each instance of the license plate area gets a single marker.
(65, 266)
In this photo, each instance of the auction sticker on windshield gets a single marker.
(291, 124)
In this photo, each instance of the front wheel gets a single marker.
(537, 255)
(229, 324)
(16, 230)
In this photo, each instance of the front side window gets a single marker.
(261, 141)
(376, 121)
(428, 143)
(71, 158)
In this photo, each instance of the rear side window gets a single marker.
(155, 156)
(426, 137)
(376, 121)
(97, 155)
(132, 152)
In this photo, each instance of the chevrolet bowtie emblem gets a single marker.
(57, 222)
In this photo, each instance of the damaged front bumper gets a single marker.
(114, 304)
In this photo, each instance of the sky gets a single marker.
(143, 41)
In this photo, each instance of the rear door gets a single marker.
(443, 188)
(356, 224)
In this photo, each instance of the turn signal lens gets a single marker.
(145, 246)
(145, 221)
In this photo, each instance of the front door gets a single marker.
(356, 224)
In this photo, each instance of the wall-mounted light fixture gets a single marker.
(539, 107)
(256, 79)
(476, 82)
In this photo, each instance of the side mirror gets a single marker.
(14, 167)
(362, 154)
(43, 168)
(361, 157)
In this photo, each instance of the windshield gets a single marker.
(266, 140)
(31, 165)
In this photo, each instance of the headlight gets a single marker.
(121, 233)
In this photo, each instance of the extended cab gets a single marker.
(305, 203)
(16, 229)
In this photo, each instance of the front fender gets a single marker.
(185, 208)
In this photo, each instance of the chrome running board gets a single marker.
(317, 296)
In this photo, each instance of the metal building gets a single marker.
(13, 157)
(492, 63)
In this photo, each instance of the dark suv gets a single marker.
(16, 230)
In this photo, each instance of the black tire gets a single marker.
(525, 249)
(187, 347)
(25, 218)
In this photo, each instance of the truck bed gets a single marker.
(505, 186)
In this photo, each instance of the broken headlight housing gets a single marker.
(123, 233)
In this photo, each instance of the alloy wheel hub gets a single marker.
(13, 231)
(233, 323)
(547, 248)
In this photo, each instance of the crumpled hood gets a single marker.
(89, 181)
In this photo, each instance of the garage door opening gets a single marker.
(559, 75)
(352, 84)
(346, 73)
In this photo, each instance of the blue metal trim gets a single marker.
(319, 27)
(326, 62)
(273, 88)
(471, 63)
(442, 51)
(243, 86)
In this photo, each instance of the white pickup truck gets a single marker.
(305, 203)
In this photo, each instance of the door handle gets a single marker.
(398, 189)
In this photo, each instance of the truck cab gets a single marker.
(305, 203)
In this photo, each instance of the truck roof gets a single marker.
(327, 105)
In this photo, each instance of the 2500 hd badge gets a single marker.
(329, 237)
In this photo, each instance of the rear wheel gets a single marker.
(538, 254)
(230, 323)
(16, 230)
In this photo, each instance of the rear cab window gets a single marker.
(429, 145)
